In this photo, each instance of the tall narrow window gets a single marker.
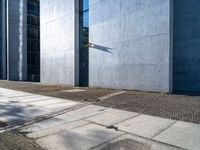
(3, 36)
(1, 39)
(33, 45)
(83, 39)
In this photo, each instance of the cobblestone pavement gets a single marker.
(178, 107)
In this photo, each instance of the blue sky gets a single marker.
(86, 13)
(85, 4)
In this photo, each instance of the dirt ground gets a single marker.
(2, 124)
(56, 90)
(178, 107)
(13, 140)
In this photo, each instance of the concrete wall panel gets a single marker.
(131, 44)
(57, 41)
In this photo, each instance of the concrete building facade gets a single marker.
(58, 44)
(186, 46)
(130, 44)
(15, 35)
(150, 45)
(16, 40)
(2, 40)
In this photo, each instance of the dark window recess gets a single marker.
(33, 7)
(33, 44)
(83, 42)
(33, 32)
(1, 41)
(1, 63)
(33, 19)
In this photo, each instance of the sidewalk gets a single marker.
(70, 125)
(177, 107)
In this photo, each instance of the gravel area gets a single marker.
(178, 107)
(2, 124)
(13, 140)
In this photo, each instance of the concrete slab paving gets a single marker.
(13, 93)
(74, 130)
(17, 95)
(47, 102)
(111, 116)
(4, 90)
(87, 111)
(61, 105)
(182, 134)
(20, 95)
(74, 90)
(16, 106)
(57, 129)
(130, 142)
(35, 99)
(11, 106)
(145, 126)
(25, 99)
(81, 138)
(49, 123)
(17, 113)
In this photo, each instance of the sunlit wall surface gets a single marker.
(58, 41)
(131, 44)
(150, 45)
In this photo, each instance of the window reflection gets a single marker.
(1, 37)
(33, 45)
(84, 40)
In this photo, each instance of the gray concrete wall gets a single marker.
(57, 41)
(186, 65)
(17, 40)
(131, 44)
